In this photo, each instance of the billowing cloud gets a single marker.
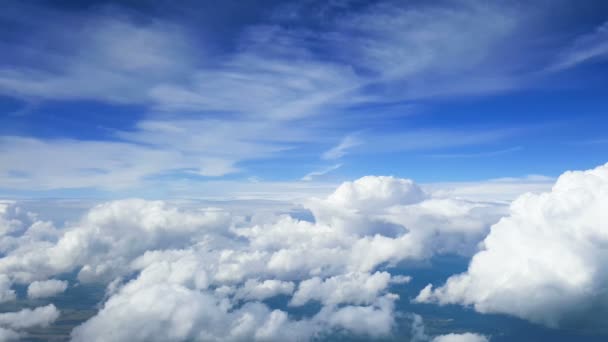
(544, 262)
(214, 270)
(46, 288)
(27, 318)
(12, 324)
(107, 238)
(356, 288)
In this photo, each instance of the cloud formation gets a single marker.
(46, 288)
(281, 85)
(215, 270)
(13, 323)
(544, 262)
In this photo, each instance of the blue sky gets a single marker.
(101, 98)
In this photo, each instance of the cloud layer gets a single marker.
(544, 262)
(214, 270)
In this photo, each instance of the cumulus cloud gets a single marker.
(46, 288)
(107, 238)
(355, 288)
(260, 290)
(214, 270)
(191, 310)
(544, 262)
(39, 317)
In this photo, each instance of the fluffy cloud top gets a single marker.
(27, 318)
(46, 288)
(545, 261)
(12, 323)
(214, 270)
(357, 288)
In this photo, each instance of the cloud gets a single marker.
(214, 269)
(45, 289)
(6, 294)
(191, 309)
(542, 262)
(103, 242)
(308, 177)
(587, 47)
(502, 190)
(341, 149)
(466, 337)
(350, 288)
(260, 290)
(292, 70)
(152, 149)
(9, 335)
(124, 58)
(26, 318)
(419, 334)
(278, 85)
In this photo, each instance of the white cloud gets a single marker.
(46, 288)
(107, 238)
(156, 51)
(544, 261)
(370, 192)
(503, 190)
(466, 337)
(342, 148)
(41, 316)
(279, 69)
(254, 289)
(9, 335)
(153, 148)
(400, 279)
(350, 288)
(588, 47)
(309, 176)
(188, 310)
(223, 264)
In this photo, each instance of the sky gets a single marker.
(104, 99)
(424, 171)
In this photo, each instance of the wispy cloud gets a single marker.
(278, 87)
(590, 46)
(310, 176)
(342, 148)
